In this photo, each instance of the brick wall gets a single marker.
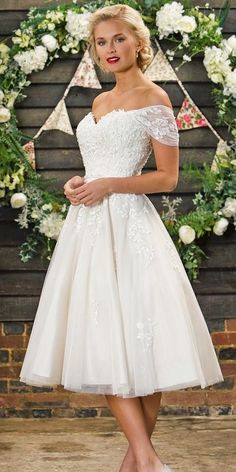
(20, 400)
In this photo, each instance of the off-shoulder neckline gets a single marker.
(127, 111)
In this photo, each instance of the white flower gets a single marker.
(5, 114)
(230, 207)
(36, 214)
(216, 63)
(220, 226)
(186, 24)
(230, 84)
(185, 39)
(51, 225)
(229, 45)
(47, 206)
(50, 42)
(1, 96)
(187, 234)
(186, 58)
(11, 97)
(18, 200)
(34, 59)
(212, 16)
(167, 18)
(77, 24)
(51, 26)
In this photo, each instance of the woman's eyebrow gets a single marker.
(117, 34)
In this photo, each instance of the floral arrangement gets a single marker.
(63, 28)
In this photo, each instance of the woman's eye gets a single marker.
(100, 43)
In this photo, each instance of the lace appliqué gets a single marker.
(127, 207)
(145, 333)
(159, 122)
(92, 215)
(94, 311)
(174, 257)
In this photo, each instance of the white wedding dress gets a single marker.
(117, 313)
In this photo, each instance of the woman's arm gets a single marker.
(164, 179)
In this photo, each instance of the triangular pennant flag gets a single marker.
(160, 68)
(85, 75)
(30, 151)
(221, 155)
(190, 116)
(58, 119)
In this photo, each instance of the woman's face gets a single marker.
(113, 39)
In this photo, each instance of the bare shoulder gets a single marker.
(157, 96)
(99, 99)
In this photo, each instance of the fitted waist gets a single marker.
(92, 176)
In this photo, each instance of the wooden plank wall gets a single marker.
(58, 156)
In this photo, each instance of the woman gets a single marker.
(117, 314)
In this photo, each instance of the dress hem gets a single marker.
(105, 390)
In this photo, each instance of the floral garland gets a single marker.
(38, 41)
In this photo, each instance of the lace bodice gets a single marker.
(119, 144)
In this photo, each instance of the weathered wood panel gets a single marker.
(23, 308)
(58, 156)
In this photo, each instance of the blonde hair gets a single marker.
(133, 20)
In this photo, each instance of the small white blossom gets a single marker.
(186, 58)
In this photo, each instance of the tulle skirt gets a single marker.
(117, 313)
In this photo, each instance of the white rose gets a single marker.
(50, 42)
(5, 114)
(230, 207)
(186, 234)
(232, 44)
(186, 24)
(220, 226)
(18, 200)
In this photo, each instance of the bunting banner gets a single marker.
(30, 151)
(190, 116)
(221, 154)
(58, 119)
(85, 75)
(160, 68)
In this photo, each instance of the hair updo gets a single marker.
(133, 20)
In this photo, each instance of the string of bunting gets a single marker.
(160, 69)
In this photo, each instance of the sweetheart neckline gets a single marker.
(125, 111)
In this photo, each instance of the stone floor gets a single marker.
(196, 444)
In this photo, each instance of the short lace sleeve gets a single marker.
(159, 122)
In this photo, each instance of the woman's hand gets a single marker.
(71, 186)
(87, 193)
